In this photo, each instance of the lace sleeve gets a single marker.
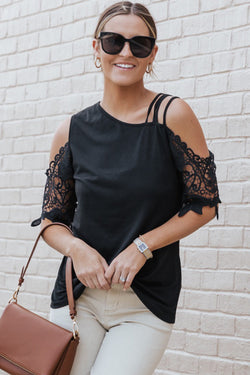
(198, 177)
(59, 200)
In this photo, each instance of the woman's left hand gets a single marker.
(126, 265)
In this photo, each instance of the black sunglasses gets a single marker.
(113, 43)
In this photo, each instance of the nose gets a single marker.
(126, 50)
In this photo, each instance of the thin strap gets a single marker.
(151, 104)
(165, 110)
(157, 106)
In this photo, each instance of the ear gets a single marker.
(153, 54)
(96, 47)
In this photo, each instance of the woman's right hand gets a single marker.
(89, 266)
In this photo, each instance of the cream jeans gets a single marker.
(118, 334)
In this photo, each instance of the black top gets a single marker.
(114, 180)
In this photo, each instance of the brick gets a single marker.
(215, 366)
(177, 340)
(158, 10)
(19, 214)
(61, 17)
(198, 24)
(4, 212)
(214, 5)
(90, 25)
(201, 344)
(223, 149)
(73, 31)
(231, 193)
(48, 268)
(185, 47)
(6, 146)
(195, 66)
(33, 127)
(233, 259)
(34, 162)
(211, 85)
(28, 8)
(238, 126)
(240, 38)
(180, 362)
(20, 179)
(186, 9)
(215, 42)
(169, 29)
(222, 237)
(239, 81)
(39, 56)
(17, 61)
(10, 12)
(8, 79)
(46, 5)
(83, 47)
(230, 18)
(217, 280)
(168, 70)
(217, 324)
(49, 37)
(24, 145)
(49, 72)
(191, 279)
(31, 196)
(38, 91)
(185, 88)
(246, 237)
(16, 27)
(238, 170)
(236, 304)
(24, 111)
(242, 327)
(228, 61)
(15, 94)
(61, 52)
(58, 88)
(197, 238)
(12, 163)
(237, 215)
(237, 349)
(241, 368)
(27, 42)
(38, 22)
(187, 320)
(242, 281)
(72, 68)
(201, 259)
(200, 300)
(246, 103)
(246, 193)
(225, 105)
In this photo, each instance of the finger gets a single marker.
(128, 281)
(116, 277)
(96, 282)
(103, 282)
(122, 279)
(90, 283)
(109, 273)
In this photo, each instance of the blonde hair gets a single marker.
(126, 7)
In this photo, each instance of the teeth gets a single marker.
(124, 65)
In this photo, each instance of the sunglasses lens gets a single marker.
(141, 46)
(112, 44)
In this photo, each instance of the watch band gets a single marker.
(143, 248)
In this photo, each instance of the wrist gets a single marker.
(142, 247)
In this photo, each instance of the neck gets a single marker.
(120, 100)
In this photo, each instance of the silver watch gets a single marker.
(143, 248)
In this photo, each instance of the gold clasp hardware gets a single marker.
(75, 328)
(15, 294)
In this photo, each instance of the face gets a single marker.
(128, 26)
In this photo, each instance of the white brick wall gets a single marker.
(47, 72)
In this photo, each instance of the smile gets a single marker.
(124, 66)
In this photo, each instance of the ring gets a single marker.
(122, 279)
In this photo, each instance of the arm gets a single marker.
(200, 196)
(59, 205)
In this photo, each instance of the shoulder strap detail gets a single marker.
(157, 106)
(166, 108)
(152, 103)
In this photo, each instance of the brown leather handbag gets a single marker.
(32, 345)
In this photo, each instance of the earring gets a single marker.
(149, 68)
(98, 66)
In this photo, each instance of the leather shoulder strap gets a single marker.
(69, 286)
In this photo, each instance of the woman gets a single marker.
(130, 189)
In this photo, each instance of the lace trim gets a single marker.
(59, 200)
(198, 176)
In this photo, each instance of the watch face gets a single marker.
(142, 247)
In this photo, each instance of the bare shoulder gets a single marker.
(61, 137)
(181, 119)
